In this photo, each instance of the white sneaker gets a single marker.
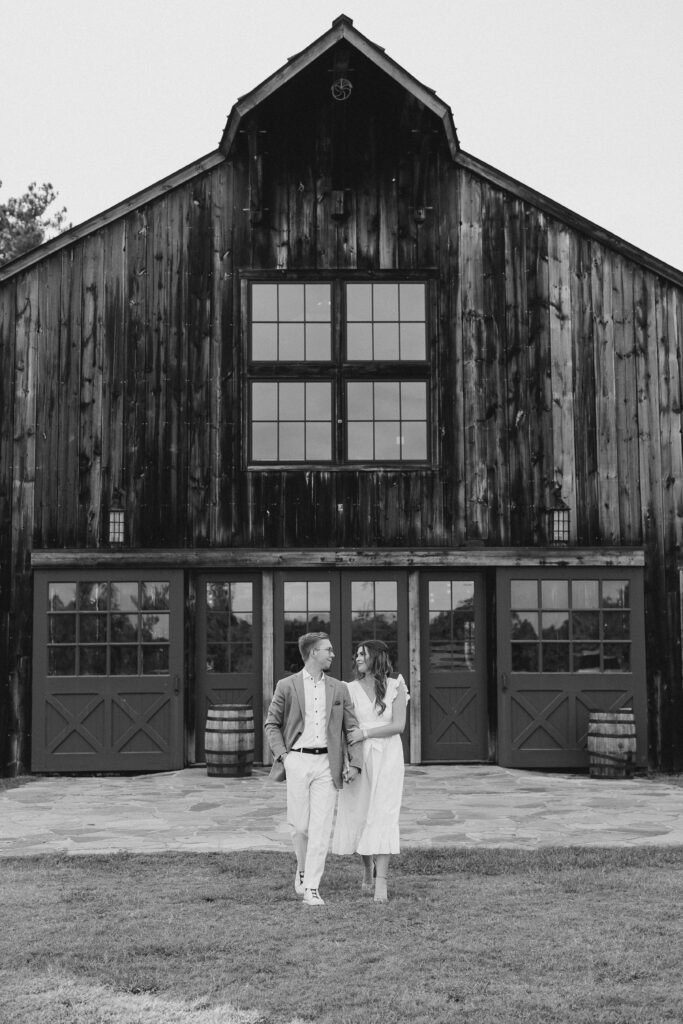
(299, 882)
(312, 898)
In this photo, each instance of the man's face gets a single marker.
(323, 655)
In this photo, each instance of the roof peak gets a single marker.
(342, 28)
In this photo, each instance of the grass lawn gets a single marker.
(479, 937)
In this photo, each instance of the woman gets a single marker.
(368, 811)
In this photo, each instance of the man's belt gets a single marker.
(310, 750)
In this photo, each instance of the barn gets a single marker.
(339, 374)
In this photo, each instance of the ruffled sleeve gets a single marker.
(393, 684)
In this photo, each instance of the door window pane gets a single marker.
(229, 626)
(374, 613)
(107, 626)
(451, 625)
(307, 609)
(585, 625)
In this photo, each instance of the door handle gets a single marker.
(504, 682)
(176, 685)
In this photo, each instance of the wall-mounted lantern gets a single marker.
(558, 519)
(117, 522)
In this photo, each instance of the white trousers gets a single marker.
(311, 799)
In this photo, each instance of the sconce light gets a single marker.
(559, 515)
(117, 522)
(339, 211)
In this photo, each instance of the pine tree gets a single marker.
(24, 222)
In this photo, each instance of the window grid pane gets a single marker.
(291, 322)
(386, 421)
(386, 322)
(291, 421)
(374, 613)
(451, 625)
(109, 627)
(307, 609)
(570, 626)
(229, 626)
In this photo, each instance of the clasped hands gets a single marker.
(354, 735)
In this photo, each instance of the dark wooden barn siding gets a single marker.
(557, 361)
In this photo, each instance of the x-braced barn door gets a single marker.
(570, 641)
(108, 670)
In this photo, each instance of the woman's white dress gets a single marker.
(368, 809)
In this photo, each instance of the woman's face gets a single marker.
(361, 659)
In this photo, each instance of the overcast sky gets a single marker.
(579, 99)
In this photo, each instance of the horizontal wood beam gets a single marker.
(275, 558)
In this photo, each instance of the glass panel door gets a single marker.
(228, 649)
(351, 607)
(454, 679)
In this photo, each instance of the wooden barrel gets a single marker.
(229, 740)
(612, 744)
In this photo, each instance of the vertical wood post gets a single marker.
(415, 705)
(267, 661)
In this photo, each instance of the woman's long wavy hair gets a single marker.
(379, 665)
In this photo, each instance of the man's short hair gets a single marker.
(308, 641)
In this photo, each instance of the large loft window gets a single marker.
(338, 372)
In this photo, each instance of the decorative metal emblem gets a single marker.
(341, 89)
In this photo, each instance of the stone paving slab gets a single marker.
(446, 805)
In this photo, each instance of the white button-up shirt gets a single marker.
(315, 721)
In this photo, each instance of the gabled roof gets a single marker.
(342, 29)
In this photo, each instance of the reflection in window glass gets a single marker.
(615, 594)
(374, 613)
(585, 626)
(451, 625)
(307, 609)
(105, 626)
(61, 596)
(524, 625)
(229, 626)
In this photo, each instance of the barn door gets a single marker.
(453, 658)
(349, 605)
(108, 657)
(569, 641)
(228, 648)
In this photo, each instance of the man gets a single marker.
(309, 716)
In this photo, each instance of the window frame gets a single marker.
(339, 370)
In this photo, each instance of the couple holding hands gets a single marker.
(334, 739)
